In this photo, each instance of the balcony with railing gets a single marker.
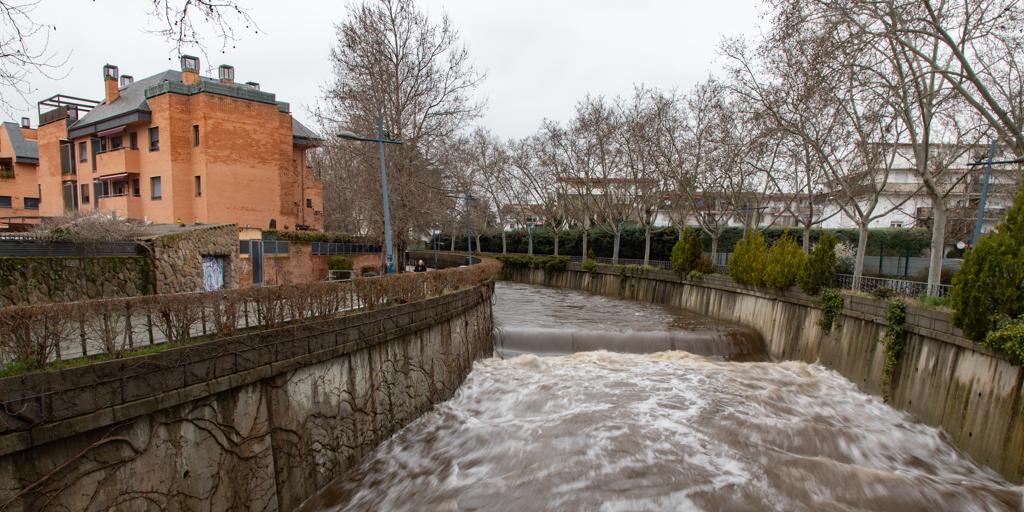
(117, 160)
(123, 205)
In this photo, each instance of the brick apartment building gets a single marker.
(19, 189)
(179, 147)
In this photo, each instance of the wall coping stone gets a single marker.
(370, 328)
(870, 309)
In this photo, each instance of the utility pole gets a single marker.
(984, 194)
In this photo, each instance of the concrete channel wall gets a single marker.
(942, 379)
(258, 421)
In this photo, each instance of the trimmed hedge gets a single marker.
(887, 241)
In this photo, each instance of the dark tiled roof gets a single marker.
(129, 100)
(301, 134)
(132, 100)
(25, 150)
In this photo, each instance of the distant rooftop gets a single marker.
(160, 230)
(26, 151)
(132, 103)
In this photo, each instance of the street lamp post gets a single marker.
(389, 254)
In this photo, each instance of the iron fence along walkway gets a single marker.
(901, 287)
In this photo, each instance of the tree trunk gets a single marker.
(862, 249)
(615, 247)
(807, 238)
(714, 249)
(647, 244)
(504, 243)
(478, 243)
(453, 242)
(938, 245)
(586, 235)
(679, 232)
(554, 234)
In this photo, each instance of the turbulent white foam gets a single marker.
(663, 431)
(666, 431)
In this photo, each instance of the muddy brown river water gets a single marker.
(607, 405)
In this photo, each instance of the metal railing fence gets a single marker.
(38, 334)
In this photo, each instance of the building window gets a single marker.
(85, 194)
(133, 140)
(154, 138)
(154, 187)
(309, 203)
(199, 186)
(896, 224)
(195, 135)
(5, 202)
(116, 142)
(136, 188)
(83, 152)
(31, 203)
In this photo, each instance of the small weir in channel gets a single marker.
(600, 404)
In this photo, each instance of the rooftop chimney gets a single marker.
(226, 74)
(126, 80)
(26, 122)
(189, 69)
(110, 83)
(254, 85)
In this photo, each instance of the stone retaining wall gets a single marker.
(42, 279)
(178, 257)
(257, 421)
(971, 392)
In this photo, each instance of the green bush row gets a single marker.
(519, 261)
(885, 241)
(784, 263)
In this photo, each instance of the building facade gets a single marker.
(19, 187)
(177, 147)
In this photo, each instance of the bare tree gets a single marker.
(25, 37)
(975, 46)
(392, 62)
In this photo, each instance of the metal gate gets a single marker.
(256, 257)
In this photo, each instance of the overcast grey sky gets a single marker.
(540, 56)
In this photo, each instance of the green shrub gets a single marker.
(894, 340)
(695, 275)
(990, 284)
(1008, 336)
(686, 253)
(747, 264)
(368, 269)
(308, 236)
(935, 302)
(819, 271)
(555, 263)
(831, 303)
(339, 263)
(883, 292)
(784, 262)
(589, 266)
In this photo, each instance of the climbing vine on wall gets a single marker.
(894, 340)
(831, 303)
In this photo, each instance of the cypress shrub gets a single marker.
(747, 264)
(820, 270)
(339, 263)
(784, 262)
(989, 288)
(686, 253)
